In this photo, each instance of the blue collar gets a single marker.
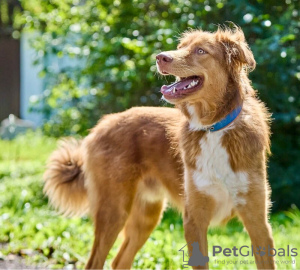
(229, 118)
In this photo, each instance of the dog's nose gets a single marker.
(163, 57)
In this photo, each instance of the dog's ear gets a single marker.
(236, 50)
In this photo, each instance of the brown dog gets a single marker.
(122, 174)
(225, 141)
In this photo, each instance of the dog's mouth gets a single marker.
(183, 87)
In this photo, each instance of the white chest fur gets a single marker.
(195, 123)
(214, 176)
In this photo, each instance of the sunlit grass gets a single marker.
(29, 227)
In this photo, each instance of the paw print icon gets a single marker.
(260, 251)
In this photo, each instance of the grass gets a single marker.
(29, 227)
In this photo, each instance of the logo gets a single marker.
(260, 251)
(196, 258)
(238, 256)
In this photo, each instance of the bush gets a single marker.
(114, 44)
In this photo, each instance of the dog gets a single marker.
(122, 174)
(226, 138)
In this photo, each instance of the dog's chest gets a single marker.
(214, 176)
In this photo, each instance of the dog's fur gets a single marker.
(225, 170)
(122, 174)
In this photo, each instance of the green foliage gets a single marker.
(113, 45)
(30, 228)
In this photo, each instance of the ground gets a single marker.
(33, 234)
(14, 261)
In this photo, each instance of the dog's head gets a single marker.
(204, 63)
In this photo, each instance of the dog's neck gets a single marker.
(204, 113)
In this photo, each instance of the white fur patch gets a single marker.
(215, 177)
(195, 123)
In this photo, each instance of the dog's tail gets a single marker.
(64, 179)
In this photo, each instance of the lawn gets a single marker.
(30, 228)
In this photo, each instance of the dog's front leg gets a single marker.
(254, 214)
(198, 213)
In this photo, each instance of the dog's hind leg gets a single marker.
(142, 220)
(110, 206)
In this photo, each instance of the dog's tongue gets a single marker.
(177, 88)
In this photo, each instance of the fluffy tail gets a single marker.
(64, 179)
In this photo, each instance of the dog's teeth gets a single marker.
(192, 84)
(174, 90)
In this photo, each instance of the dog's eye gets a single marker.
(201, 51)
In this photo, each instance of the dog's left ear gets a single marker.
(236, 50)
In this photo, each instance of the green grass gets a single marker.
(29, 227)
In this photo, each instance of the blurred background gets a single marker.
(63, 64)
